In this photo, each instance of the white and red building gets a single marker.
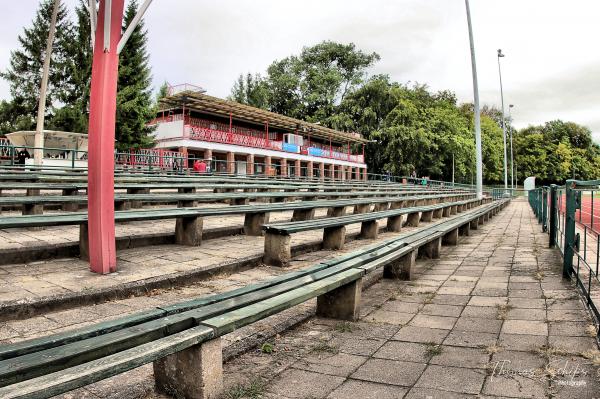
(241, 139)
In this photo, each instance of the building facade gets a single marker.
(236, 138)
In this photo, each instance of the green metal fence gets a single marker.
(571, 216)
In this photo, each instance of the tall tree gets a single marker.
(75, 93)
(135, 106)
(24, 73)
(252, 90)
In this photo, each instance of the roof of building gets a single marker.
(200, 102)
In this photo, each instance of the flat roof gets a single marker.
(200, 102)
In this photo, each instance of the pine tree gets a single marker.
(24, 73)
(134, 98)
(75, 93)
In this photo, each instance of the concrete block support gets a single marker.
(137, 204)
(303, 214)
(382, 206)
(70, 207)
(84, 244)
(426, 216)
(336, 211)
(446, 212)
(465, 230)
(394, 223)
(278, 251)
(432, 249)
(369, 229)
(239, 201)
(188, 231)
(397, 205)
(122, 205)
(401, 268)
(342, 303)
(450, 238)
(438, 213)
(334, 237)
(32, 209)
(362, 208)
(413, 219)
(195, 372)
(187, 203)
(473, 224)
(454, 209)
(253, 223)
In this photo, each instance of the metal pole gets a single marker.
(477, 120)
(38, 151)
(103, 96)
(512, 159)
(500, 55)
(452, 169)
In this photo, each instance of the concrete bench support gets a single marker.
(336, 211)
(432, 249)
(446, 212)
(122, 205)
(303, 214)
(465, 230)
(362, 208)
(426, 216)
(334, 237)
(253, 223)
(187, 203)
(394, 223)
(278, 251)
(480, 220)
(188, 231)
(70, 207)
(369, 229)
(438, 213)
(32, 209)
(342, 303)
(401, 268)
(397, 205)
(239, 201)
(137, 204)
(382, 206)
(450, 238)
(84, 243)
(195, 372)
(473, 224)
(453, 209)
(413, 219)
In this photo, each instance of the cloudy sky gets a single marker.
(551, 68)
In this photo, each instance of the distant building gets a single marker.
(240, 139)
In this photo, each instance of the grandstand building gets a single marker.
(241, 139)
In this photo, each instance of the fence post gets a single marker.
(544, 208)
(571, 207)
(553, 216)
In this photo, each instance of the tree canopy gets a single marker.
(411, 127)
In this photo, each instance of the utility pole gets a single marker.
(500, 55)
(477, 117)
(38, 151)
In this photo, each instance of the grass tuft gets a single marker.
(254, 390)
(432, 349)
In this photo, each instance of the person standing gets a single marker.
(22, 156)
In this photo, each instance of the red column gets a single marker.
(103, 105)
(298, 167)
(283, 168)
(322, 171)
(250, 164)
(230, 163)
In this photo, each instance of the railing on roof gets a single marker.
(172, 90)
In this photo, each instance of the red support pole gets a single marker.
(103, 106)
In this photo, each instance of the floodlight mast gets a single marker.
(477, 117)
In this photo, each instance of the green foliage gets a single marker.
(251, 90)
(134, 97)
(267, 348)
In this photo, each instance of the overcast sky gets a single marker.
(551, 69)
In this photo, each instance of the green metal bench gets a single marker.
(183, 340)
(278, 235)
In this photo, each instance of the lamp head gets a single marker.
(500, 53)
(510, 105)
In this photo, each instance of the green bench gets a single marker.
(189, 219)
(183, 340)
(278, 235)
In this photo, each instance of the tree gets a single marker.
(134, 97)
(252, 90)
(24, 73)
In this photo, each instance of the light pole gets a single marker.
(500, 55)
(512, 159)
(479, 168)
